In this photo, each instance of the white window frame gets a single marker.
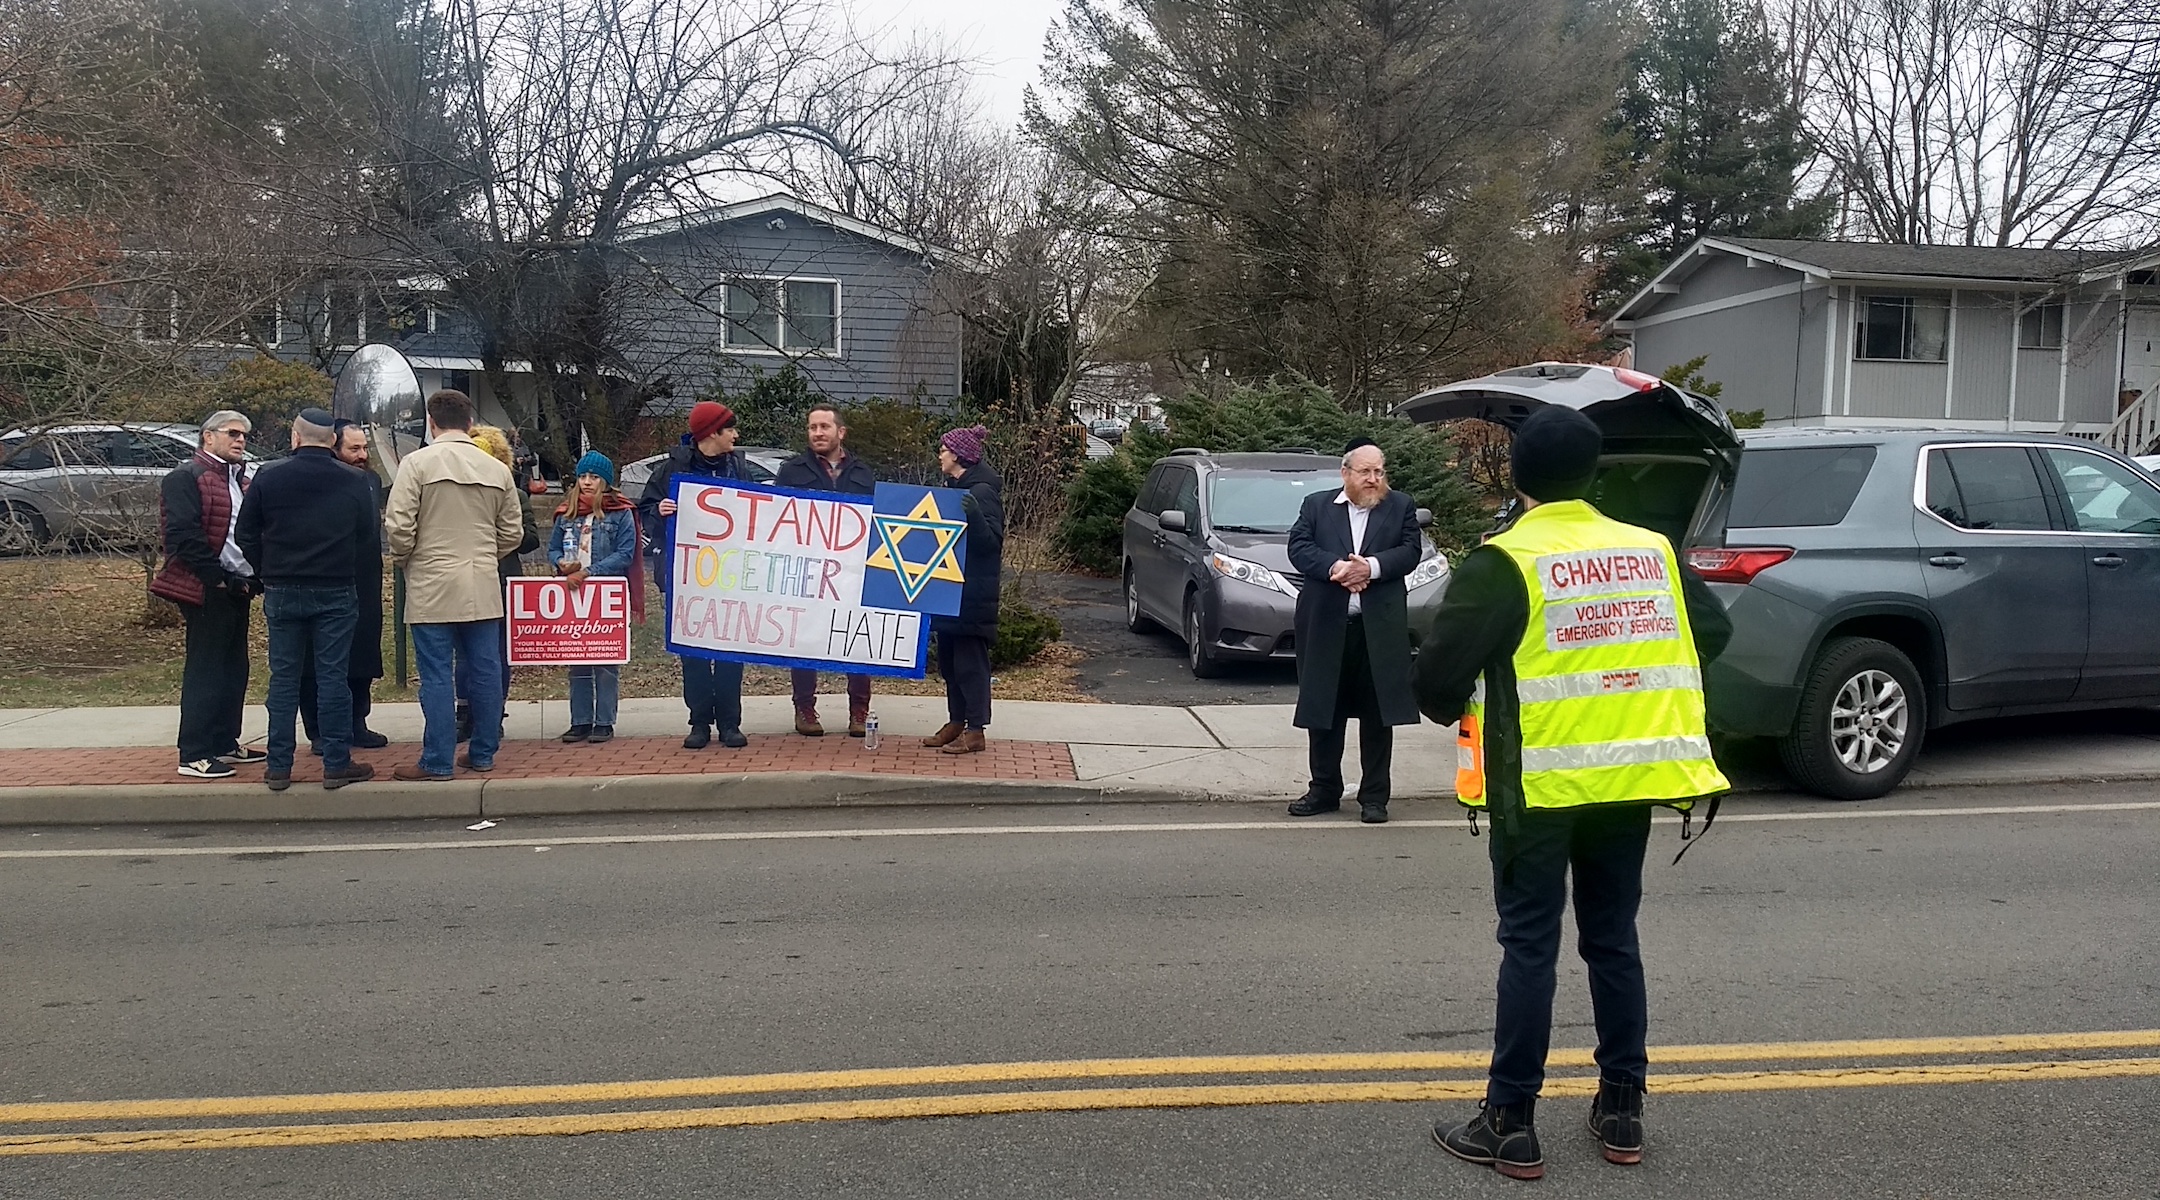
(172, 319)
(2037, 315)
(1914, 301)
(839, 318)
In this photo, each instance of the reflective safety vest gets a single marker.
(1607, 685)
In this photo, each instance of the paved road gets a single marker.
(1123, 667)
(215, 962)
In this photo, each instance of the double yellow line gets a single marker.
(1774, 1077)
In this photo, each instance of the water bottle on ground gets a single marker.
(870, 737)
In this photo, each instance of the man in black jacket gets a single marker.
(210, 581)
(365, 666)
(306, 525)
(712, 688)
(828, 466)
(1354, 547)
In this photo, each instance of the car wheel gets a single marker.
(1197, 654)
(1135, 621)
(22, 530)
(1863, 715)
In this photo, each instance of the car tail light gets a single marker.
(1736, 564)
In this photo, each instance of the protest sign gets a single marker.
(555, 625)
(812, 579)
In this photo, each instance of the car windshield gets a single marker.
(1263, 501)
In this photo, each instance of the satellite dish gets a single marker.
(378, 390)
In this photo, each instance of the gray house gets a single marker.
(1959, 337)
(751, 287)
(718, 296)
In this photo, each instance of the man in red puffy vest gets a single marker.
(212, 583)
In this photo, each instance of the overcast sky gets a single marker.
(1005, 35)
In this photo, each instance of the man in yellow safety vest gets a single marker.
(1569, 648)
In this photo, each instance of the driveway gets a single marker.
(1146, 668)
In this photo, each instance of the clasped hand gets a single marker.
(1354, 574)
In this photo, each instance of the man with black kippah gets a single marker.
(1569, 651)
(308, 526)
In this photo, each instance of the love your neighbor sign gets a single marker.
(555, 625)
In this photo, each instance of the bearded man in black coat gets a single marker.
(1353, 547)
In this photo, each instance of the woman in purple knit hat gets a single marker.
(963, 640)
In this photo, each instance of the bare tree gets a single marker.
(1984, 122)
(561, 124)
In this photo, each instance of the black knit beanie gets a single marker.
(1555, 454)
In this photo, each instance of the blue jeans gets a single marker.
(1602, 847)
(439, 648)
(310, 623)
(465, 692)
(593, 692)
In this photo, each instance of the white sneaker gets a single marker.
(244, 755)
(206, 768)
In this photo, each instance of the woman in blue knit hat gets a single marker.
(596, 533)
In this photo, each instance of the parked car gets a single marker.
(1109, 429)
(75, 483)
(1881, 583)
(1207, 554)
(764, 468)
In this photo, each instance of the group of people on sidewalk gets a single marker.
(308, 534)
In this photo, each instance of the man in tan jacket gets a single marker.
(452, 513)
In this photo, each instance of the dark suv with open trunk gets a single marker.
(1881, 583)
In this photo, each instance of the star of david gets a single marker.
(892, 531)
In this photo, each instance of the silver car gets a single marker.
(86, 483)
(1207, 554)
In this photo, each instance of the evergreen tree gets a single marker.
(1711, 136)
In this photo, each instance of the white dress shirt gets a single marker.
(1358, 517)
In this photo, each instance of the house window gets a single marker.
(1904, 329)
(157, 316)
(2041, 328)
(342, 304)
(796, 315)
(262, 325)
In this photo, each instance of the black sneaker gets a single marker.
(733, 738)
(700, 737)
(1372, 814)
(601, 733)
(207, 768)
(1616, 1122)
(576, 733)
(368, 739)
(244, 755)
(1309, 805)
(1500, 1137)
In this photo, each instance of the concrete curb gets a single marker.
(152, 803)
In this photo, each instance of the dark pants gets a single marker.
(805, 685)
(310, 623)
(1531, 861)
(213, 682)
(712, 691)
(1355, 696)
(363, 702)
(965, 664)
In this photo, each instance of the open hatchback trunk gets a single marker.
(1670, 455)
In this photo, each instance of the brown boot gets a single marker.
(858, 721)
(969, 742)
(945, 735)
(806, 723)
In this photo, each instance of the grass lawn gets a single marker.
(71, 634)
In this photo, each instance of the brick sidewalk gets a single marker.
(554, 760)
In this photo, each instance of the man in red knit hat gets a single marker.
(712, 689)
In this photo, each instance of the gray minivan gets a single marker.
(1881, 582)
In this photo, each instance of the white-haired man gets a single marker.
(1354, 546)
(210, 581)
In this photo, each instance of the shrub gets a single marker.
(1023, 630)
(1092, 531)
(897, 439)
(771, 411)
